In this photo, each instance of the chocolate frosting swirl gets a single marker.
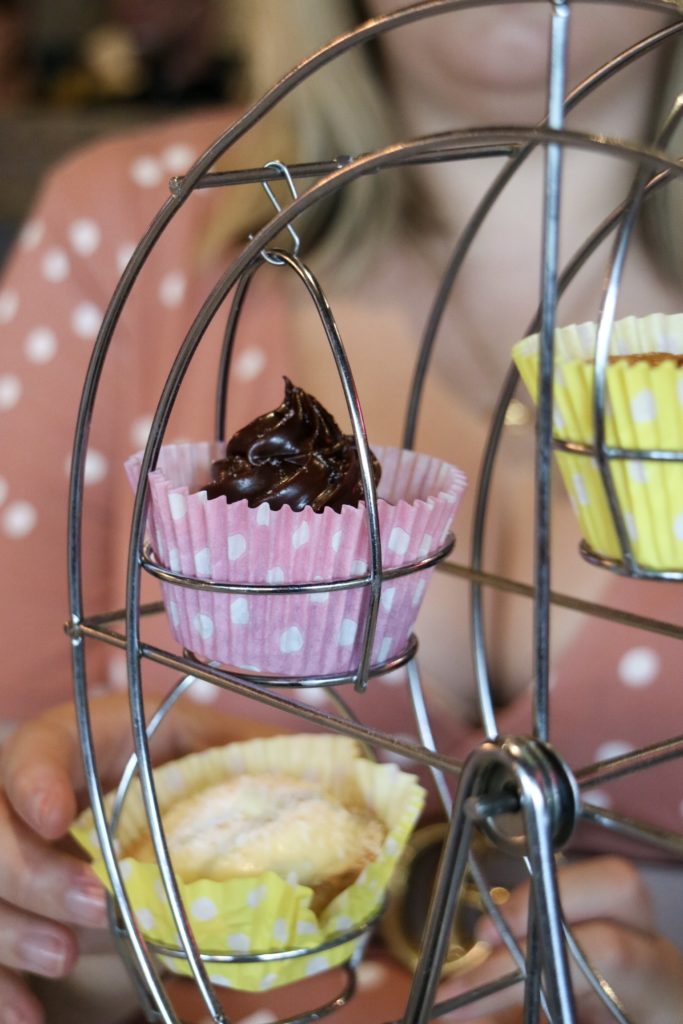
(295, 455)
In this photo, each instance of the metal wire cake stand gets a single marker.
(523, 777)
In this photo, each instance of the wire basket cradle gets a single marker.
(503, 775)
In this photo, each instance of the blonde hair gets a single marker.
(344, 108)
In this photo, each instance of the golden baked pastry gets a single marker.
(249, 824)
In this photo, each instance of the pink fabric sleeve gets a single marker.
(91, 212)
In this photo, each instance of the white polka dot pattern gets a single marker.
(301, 535)
(139, 430)
(96, 468)
(347, 632)
(146, 171)
(371, 975)
(202, 562)
(40, 345)
(178, 505)
(172, 289)
(19, 519)
(299, 634)
(178, 158)
(613, 748)
(239, 611)
(263, 515)
(638, 667)
(204, 909)
(55, 265)
(256, 896)
(250, 364)
(237, 546)
(643, 407)
(600, 798)
(678, 526)
(204, 626)
(31, 235)
(637, 472)
(10, 391)
(203, 692)
(398, 541)
(86, 320)
(123, 255)
(291, 640)
(642, 411)
(259, 1017)
(146, 919)
(84, 236)
(9, 304)
(117, 671)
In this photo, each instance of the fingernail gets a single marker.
(44, 814)
(86, 903)
(42, 953)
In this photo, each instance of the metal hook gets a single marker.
(284, 171)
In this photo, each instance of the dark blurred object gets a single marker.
(149, 51)
(411, 892)
(16, 80)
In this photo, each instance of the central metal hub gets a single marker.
(518, 775)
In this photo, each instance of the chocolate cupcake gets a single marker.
(269, 515)
(295, 456)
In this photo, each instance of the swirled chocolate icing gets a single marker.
(295, 455)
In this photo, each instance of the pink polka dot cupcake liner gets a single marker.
(644, 410)
(315, 633)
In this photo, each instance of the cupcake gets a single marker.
(277, 844)
(643, 410)
(282, 504)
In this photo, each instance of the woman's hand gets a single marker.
(608, 908)
(47, 893)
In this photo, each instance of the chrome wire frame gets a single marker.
(547, 976)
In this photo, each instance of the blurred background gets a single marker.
(71, 70)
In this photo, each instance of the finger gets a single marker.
(634, 963)
(602, 887)
(41, 763)
(39, 771)
(39, 878)
(17, 1004)
(30, 943)
(190, 727)
(644, 970)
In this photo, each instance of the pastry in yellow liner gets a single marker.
(265, 912)
(644, 410)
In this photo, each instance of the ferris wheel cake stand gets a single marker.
(516, 791)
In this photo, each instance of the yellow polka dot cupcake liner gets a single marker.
(264, 913)
(643, 410)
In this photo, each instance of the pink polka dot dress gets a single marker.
(616, 690)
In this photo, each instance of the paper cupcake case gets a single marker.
(265, 913)
(644, 410)
(294, 634)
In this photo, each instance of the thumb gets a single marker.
(39, 769)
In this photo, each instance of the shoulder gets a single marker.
(138, 162)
